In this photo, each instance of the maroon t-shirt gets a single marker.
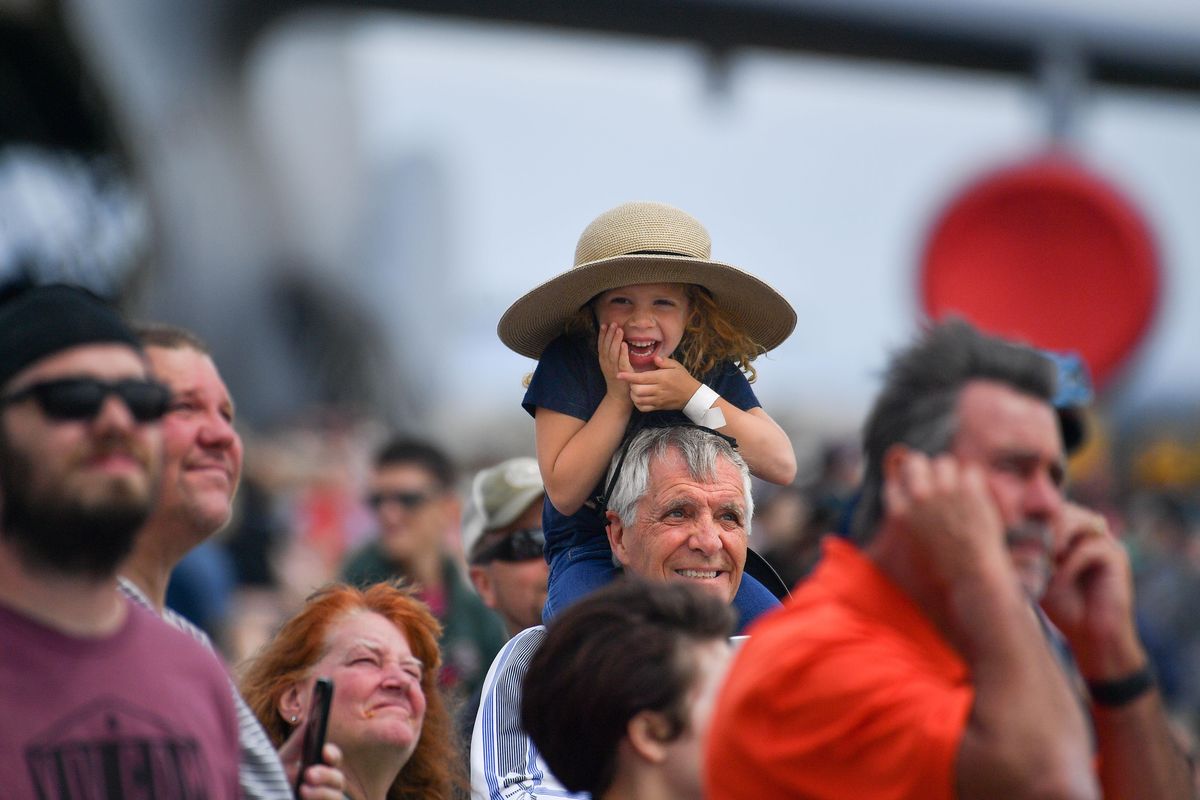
(145, 712)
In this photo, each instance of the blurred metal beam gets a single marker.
(47, 97)
(972, 36)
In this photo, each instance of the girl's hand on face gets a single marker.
(614, 358)
(666, 388)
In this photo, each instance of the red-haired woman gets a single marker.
(379, 645)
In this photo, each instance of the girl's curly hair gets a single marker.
(710, 338)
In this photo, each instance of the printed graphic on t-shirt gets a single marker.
(111, 749)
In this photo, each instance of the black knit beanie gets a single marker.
(44, 320)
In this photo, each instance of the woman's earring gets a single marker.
(294, 718)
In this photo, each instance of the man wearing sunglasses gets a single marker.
(411, 490)
(678, 510)
(503, 538)
(97, 696)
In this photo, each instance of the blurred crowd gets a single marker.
(985, 593)
(303, 509)
(988, 591)
(981, 565)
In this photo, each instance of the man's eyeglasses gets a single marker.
(521, 545)
(80, 399)
(410, 501)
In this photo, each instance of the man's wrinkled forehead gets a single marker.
(993, 416)
(724, 488)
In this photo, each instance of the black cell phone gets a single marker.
(314, 728)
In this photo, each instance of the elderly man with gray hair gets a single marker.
(679, 509)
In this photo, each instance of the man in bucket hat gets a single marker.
(98, 697)
(502, 536)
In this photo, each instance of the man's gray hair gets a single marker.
(700, 450)
(918, 405)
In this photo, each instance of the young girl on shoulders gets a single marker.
(645, 330)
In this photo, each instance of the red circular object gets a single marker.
(1047, 253)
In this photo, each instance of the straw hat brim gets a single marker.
(538, 317)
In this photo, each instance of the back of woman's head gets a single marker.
(288, 658)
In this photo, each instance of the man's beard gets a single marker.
(1033, 570)
(56, 532)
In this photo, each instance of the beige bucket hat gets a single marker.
(644, 243)
(499, 495)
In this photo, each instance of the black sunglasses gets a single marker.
(411, 501)
(82, 398)
(521, 545)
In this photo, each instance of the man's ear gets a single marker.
(647, 733)
(483, 585)
(616, 536)
(893, 458)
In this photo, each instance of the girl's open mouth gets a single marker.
(642, 351)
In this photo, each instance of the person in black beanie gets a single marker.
(97, 696)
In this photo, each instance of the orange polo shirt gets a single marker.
(848, 691)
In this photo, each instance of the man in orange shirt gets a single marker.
(915, 663)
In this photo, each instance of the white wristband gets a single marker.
(701, 408)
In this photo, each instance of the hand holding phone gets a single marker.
(314, 728)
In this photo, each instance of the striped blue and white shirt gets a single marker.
(505, 764)
(260, 772)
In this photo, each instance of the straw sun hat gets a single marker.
(644, 243)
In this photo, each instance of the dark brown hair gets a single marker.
(918, 404)
(613, 654)
(401, 450)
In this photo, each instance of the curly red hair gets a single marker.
(284, 661)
